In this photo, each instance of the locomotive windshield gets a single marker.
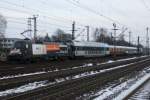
(17, 45)
(20, 45)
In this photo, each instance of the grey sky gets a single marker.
(54, 14)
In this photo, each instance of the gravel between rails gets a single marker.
(71, 88)
(13, 69)
(17, 81)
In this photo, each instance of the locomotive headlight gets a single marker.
(15, 51)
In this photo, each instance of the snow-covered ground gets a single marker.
(143, 93)
(125, 93)
(21, 75)
(85, 65)
(119, 91)
(28, 87)
(111, 61)
(126, 59)
(23, 88)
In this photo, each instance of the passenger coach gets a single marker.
(90, 49)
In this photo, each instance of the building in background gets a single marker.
(7, 43)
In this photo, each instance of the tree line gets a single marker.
(102, 35)
(99, 35)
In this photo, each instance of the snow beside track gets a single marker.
(42, 72)
(35, 85)
(20, 75)
(111, 61)
(125, 93)
(85, 65)
(127, 59)
(119, 92)
(23, 88)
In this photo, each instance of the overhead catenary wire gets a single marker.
(30, 11)
(20, 20)
(93, 11)
(145, 5)
(44, 2)
(42, 24)
(13, 21)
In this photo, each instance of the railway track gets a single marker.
(71, 88)
(13, 69)
(139, 91)
(142, 93)
(7, 83)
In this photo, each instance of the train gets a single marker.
(26, 50)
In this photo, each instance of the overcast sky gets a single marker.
(53, 14)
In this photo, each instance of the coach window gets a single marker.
(101, 49)
(75, 48)
(91, 50)
(85, 49)
(80, 48)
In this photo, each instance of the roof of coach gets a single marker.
(123, 47)
(89, 44)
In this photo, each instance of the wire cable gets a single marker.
(93, 11)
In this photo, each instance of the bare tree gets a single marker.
(47, 38)
(61, 36)
(3, 26)
(101, 35)
(121, 37)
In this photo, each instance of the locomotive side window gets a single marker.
(21, 45)
(18, 45)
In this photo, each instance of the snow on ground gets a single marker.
(127, 59)
(89, 64)
(98, 72)
(41, 72)
(23, 88)
(111, 61)
(120, 91)
(131, 58)
(34, 85)
(20, 75)
(143, 93)
(125, 93)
